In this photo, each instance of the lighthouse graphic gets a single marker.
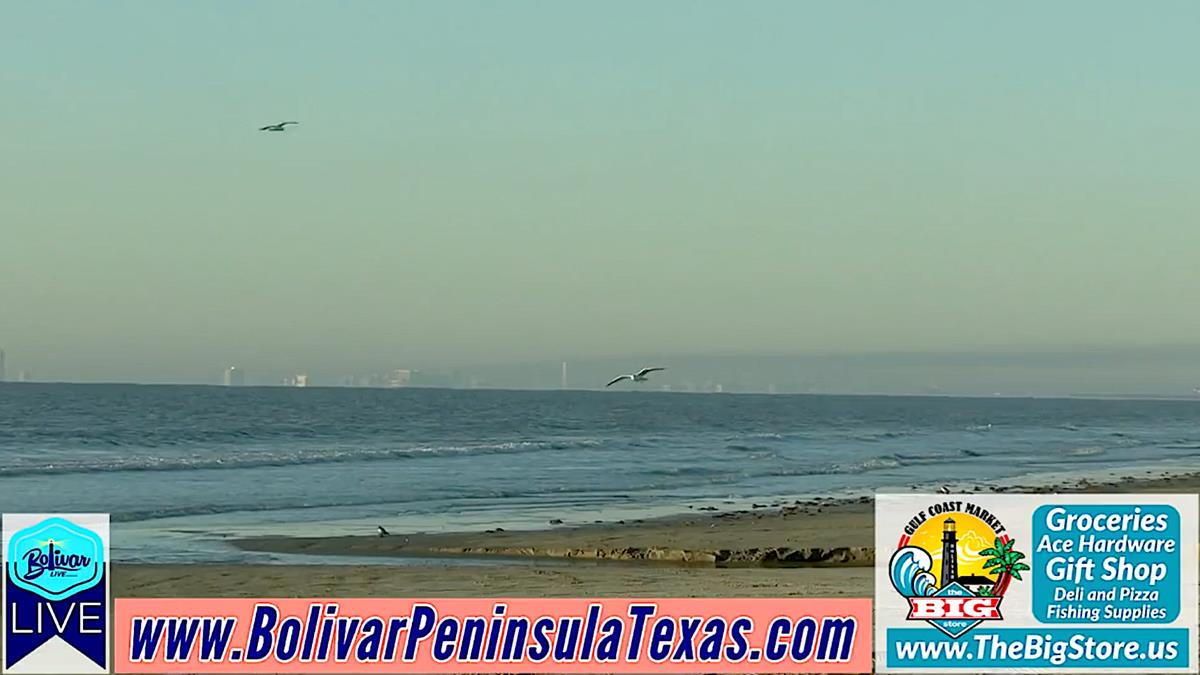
(954, 593)
(949, 553)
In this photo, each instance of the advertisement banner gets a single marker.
(692, 635)
(983, 583)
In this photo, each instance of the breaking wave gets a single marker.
(278, 458)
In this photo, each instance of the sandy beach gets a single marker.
(607, 560)
(813, 548)
(802, 533)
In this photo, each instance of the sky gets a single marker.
(513, 182)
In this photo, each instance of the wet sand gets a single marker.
(584, 561)
(802, 533)
(568, 561)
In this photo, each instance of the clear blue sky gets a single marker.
(507, 181)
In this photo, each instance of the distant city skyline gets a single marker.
(1165, 371)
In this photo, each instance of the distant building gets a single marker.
(299, 380)
(234, 377)
(1, 365)
(399, 378)
(975, 583)
(24, 376)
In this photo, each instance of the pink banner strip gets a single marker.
(517, 635)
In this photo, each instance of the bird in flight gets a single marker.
(276, 127)
(639, 376)
(383, 532)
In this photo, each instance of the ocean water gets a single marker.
(181, 469)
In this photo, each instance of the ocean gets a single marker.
(181, 469)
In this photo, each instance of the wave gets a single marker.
(280, 458)
(916, 458)
(687, 471)
(494, 498)
(881, 436)
(871, 464)
(654, 480)
(176, 436)
(738, 447)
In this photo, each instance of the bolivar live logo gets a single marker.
(55, 593)
(953, 564)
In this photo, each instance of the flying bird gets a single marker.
(276, 127)
(382, 532)
(639, 376)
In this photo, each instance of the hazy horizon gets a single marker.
(498, 184)
(1167, 371)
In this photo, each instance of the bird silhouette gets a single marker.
(639, 376)
(276, 127)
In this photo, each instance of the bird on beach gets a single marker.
(639, 376)
(944, 490)
(383, 532)
(276, 127)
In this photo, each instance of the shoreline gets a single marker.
(820, 532)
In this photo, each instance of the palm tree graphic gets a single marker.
(1005, 561)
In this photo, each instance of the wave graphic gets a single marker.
(249, 459)
(909, 572)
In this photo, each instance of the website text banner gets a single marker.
(219, 635)
(1077, 583)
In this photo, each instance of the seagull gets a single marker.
(639, 376)
(276, 127)
(383, 532)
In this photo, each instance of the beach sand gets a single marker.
(564, 562)
(814, 549)
(802, 533)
